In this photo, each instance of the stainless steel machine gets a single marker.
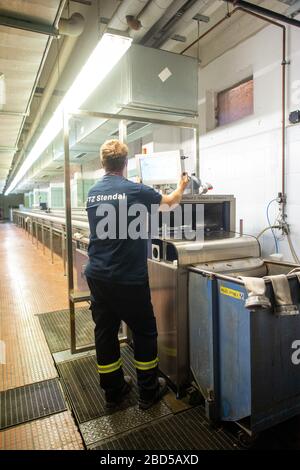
(226, 318)
(169, 262)
(176, 246)
(243, 357)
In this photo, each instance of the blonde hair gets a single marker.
(113, 155)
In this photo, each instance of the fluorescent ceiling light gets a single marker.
(105, 56)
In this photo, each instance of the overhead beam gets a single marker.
(27, 25)
(13, 113)
(171, 15)
(40, 91)
(83, 2)
(8, 149)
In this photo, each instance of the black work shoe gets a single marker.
(162, 390)
(111, 402)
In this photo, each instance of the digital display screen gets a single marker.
(160, 168)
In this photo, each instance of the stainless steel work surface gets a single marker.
(213, 247)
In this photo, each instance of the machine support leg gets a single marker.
(51, 243)
(43, 238)
(212, 404)
(63, 251)
(69, 240)
(72, 326)
(37, 233)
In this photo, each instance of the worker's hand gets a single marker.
(176, 196)
(184, 181)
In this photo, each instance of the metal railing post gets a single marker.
(69, 242)
(51, 242)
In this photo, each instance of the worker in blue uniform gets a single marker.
(117, 275)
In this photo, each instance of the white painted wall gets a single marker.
(244, 158)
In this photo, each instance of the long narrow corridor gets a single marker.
(30, 284)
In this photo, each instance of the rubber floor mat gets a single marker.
(56, 328)
(81, 380)
(23, 404)
(188, 430)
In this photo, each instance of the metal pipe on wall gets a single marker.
(265, 12)
(226, 17)
(284, 63)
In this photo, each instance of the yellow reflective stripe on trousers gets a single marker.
(110, 367)
(146, 365)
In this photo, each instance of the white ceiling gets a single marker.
(232, 32)
(21, 53)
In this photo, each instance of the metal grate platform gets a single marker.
(120, 422)
(81, 380)
(188, 430)
(23, 404)
(56, 328)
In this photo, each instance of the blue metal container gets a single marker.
(246, 363)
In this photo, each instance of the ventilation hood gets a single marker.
(146, 81)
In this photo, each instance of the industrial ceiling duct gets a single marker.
(127, 8)
(72, 26)
(152, 13)
(146, 81)
(150, 80)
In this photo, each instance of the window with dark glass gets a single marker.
(235, 103)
